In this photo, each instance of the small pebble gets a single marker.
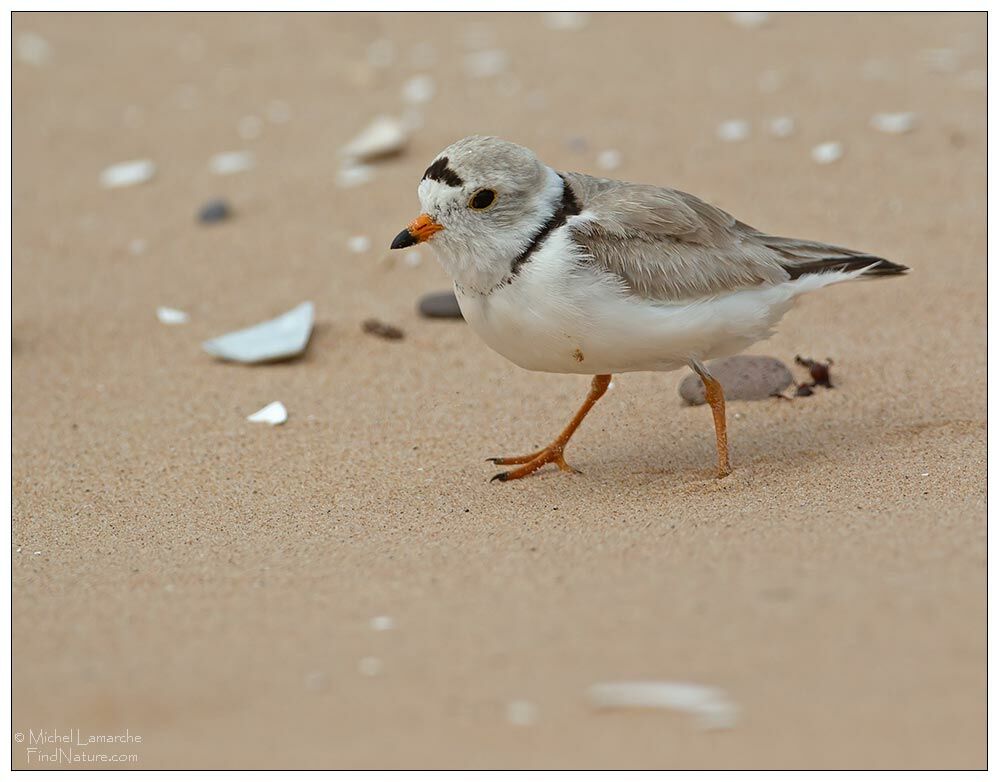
(804, 389)
(359, 244)
(440, 305)
(384, 330)
(412, 258)
(741, 377)
(419, 89)
(576, 144)
(733, 130)
(566, 20)
(781, 127)
(486, 63)
(895, 123)
(382, 623)
(275, 413)
(369, 666)
(170, 316)
(249, 127)
(826, 153)
(749, 19)
(137, 246)
(521, 713)
(128, 173)
(32, 49)
(214, 211)
(609, 159)
(231, 163)
(819, 370)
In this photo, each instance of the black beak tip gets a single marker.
(404, 239)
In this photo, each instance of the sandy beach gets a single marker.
(209, 583)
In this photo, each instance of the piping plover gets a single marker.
(564, 272)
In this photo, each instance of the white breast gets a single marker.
(560, 314)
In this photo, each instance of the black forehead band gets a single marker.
(440, 172)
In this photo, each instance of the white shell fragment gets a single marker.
(733, 130)
(485, 63)
(32, 49)
(283, 337)
(382, 137)
(781, 127)
(128, 173)
(609, 159)
(827, 152)
(566, 20)
(709, 705)
(170, 316)
(274, 414)
(359, 244)
(419, 89)
(900, 122)
(226, 163)
(749, 19)
(382, 623)
(521, 713)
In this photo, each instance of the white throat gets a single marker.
(481, 263)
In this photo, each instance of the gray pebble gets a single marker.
(214, 211)
(440, 305)
(741, 377)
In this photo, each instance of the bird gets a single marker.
(564, 272)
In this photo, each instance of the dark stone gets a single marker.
(440, 305)
(214, 211)
(741, 377)
(383, 330)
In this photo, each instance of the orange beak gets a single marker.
(421, 229)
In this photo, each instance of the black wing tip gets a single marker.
(872, 266)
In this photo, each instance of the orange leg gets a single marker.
(716, 398)
(553, 453)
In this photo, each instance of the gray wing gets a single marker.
(668, 245)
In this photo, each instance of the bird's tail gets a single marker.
(868, 265)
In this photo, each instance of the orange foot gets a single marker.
(532, 462)
(553, 453)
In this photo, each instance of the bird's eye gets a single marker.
(482, 199)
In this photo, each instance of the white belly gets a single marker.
(560, 316)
